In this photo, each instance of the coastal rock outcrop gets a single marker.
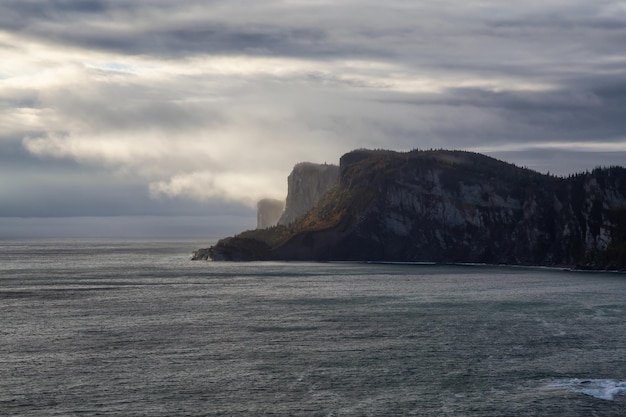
(450, 206)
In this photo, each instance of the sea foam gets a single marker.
(604, 389)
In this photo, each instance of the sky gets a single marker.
(172, 118)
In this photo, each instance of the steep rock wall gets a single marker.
(305, 185)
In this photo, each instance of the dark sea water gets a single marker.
(136, 329)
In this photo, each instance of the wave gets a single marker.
(604, 389)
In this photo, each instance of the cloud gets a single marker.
(238, 186)
(216, 101)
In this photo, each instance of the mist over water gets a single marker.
(135, 328)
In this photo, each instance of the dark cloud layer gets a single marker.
(120, 107)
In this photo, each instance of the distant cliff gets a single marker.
(268, 212)
(450, 206)
(305, 185)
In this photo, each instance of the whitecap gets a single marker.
(604, 389)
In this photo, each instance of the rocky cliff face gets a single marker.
(446, 206)
(306, 184)
(468, 208)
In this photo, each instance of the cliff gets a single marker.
(305, 185)
(451, 206)
(268, 212)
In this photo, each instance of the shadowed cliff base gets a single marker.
(450, 206)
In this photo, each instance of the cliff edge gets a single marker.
(450, 206)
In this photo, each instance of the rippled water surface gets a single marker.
(135, 328)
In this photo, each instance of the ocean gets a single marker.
(134, 328)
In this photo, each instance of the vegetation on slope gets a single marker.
(367, 175)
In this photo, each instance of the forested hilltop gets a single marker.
(450, 206)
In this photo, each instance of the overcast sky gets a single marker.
(171, 109)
